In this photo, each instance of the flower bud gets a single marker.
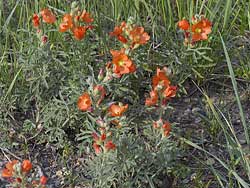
(100, 122)
(108, 77)
(26, 166)
(130, 21)
(43, 180)
(44, 40)
(101, 74)
(74, 5)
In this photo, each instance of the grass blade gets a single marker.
(231, 72)
(11, 86)
(239, 179)
(10, 16)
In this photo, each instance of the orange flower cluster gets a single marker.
(121, 63)
(165, 127)
(72, 22)
(102, 144)
(17, 171)
(161, 88)
(10, 170)
(198, 30)
(47, 17)
(161, 92)
(91, 103)
(130, 35)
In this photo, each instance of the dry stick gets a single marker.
(5, 155)
(10, 153)
(30, 138)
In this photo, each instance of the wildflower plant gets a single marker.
(109, 121)
(196, 52)
(105, 112)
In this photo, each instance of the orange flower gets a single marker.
(201, 29)
(117, 110)
(97, 138)
(66, 24)
(85, 16)
(7, 173)
(84, 102)
(153, 98)
(122, 63)
(118, 31)
(166, 128)
(118, 34)
(170, 91)
(79, 32)
(36, 20)
(122, 39)
(110, 145)
(138, 36)
(161, 78)
(124, 68)
(48, 16)
(184, 24)
(43, 180)
(26, 166)
(97, 148)
(103, 137)
(9, 169)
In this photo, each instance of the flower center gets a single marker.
(198, 30)
(121, 63)
(137, 38)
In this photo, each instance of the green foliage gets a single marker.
(136, 163)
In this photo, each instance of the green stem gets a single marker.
(161, 108)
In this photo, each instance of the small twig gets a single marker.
(30, 138)
(9, 152)
(5, 155)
